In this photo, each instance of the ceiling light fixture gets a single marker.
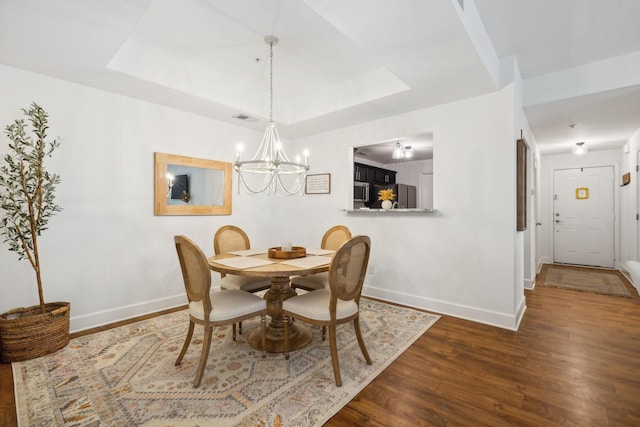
(408, 152)
(270, 170)
(397, 153)
(401, 153)
(579, 149)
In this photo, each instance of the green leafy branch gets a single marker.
(27, 189)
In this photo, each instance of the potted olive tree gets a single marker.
(26, 205)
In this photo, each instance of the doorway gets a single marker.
(583, 216)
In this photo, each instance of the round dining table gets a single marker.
(279, 272)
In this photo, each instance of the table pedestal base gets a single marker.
(299, 335)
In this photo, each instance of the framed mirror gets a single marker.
(191, 186)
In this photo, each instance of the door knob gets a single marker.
(558, 221)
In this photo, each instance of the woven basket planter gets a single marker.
(27, 333)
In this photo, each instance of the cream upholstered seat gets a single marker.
(333, 238)
(338, 304)
(212, 309)
(231, 238)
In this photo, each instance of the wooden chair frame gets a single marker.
(338, 290)
(327, 243)
(217, 249)
(197, 281)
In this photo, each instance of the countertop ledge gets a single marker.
(392, 211)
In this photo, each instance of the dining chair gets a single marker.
(332, 239)
(337, 305)
(231, 238)
(212, 308)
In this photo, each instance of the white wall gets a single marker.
(629, 226)
(106, 252)
(111, 258)
(550, 163)
(459, 260)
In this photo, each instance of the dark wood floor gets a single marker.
(574, 361)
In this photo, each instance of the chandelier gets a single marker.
(270, 170)
(399, 152)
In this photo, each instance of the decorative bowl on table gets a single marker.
(295, 252)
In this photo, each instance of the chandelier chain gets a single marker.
(271, 81)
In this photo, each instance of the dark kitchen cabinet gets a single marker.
(373, 175)
(360, 173)
(384, 176)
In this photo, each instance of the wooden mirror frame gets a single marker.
(162, 160)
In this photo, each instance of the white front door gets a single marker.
(583, 216)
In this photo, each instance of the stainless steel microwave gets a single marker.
(360, 191)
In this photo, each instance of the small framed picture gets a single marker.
(582, 193)
(318, 184)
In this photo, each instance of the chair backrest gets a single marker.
(335, 237)
(348, 268)
(230, 238)
(195, 271)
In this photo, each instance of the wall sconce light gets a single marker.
(579, 149)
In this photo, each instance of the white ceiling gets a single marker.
(566, 43)
(338, 63)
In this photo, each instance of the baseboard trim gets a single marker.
(542, 261)
(488, 317)
(101, 318)
(529, 284)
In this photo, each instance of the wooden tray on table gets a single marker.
(295, 252)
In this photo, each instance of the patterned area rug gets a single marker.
(126, 376)
(581, 279)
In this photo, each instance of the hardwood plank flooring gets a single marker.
(575, 361)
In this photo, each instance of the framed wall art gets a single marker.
(521, 184)
(318, 184)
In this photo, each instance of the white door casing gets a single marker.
(583, 216)
(637, 206)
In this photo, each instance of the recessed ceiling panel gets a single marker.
(223, 57)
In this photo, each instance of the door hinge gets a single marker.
(637, 217)
(636, 168)
(555, 197)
